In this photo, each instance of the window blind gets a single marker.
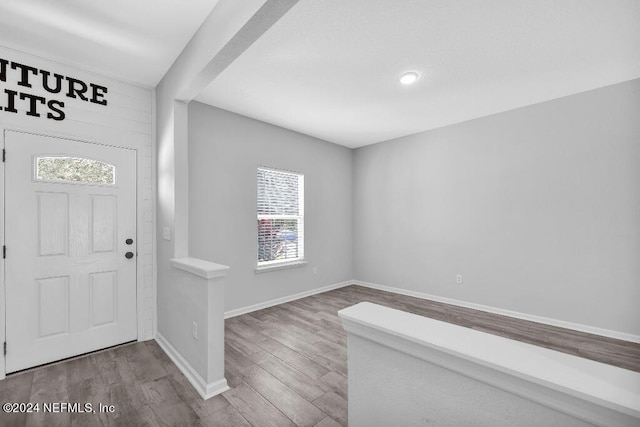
(280, 216)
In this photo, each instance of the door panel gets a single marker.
(104, 297)
(53, 214)
(69, 287)
(53, 306)
(104, 224)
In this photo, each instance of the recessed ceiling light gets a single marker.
(409, 78)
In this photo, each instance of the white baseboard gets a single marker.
(277, 301)
(530, 317)
(204, 389)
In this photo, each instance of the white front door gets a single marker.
(70, 231)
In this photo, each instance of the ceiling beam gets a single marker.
(259, 23)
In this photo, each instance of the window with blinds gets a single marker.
(280, 217)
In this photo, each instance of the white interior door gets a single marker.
(70, 230)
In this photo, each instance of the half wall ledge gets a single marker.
(195, 340)
(199, 267)
(408, 369)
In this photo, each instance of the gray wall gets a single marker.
(538, 208)
(224, 151)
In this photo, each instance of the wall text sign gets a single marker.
(53, 83)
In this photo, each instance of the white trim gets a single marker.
(140, 291)
(282, 265)
(524, 316)
(154, 220)
(3, 302)
(282, 300)
(205, 390)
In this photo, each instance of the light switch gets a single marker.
(166, 233)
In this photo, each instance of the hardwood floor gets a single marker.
(286, 366)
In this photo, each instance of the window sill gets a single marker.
(282, 266)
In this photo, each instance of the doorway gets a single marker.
(70, 249)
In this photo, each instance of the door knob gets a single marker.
(129, 241)
(128, 255)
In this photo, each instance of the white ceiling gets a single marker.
(330, 68)
(133, 40)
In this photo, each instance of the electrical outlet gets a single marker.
(194, 331)
(315, 270)
(459, 279)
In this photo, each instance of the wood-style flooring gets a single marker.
(286, 366)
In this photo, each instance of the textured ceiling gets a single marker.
(133, 40)
(330, 68)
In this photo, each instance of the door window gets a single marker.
(74, 169)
